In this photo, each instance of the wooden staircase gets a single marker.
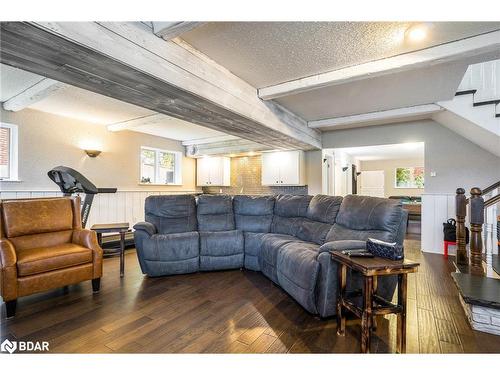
(477, 275)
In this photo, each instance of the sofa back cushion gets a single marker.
(289, 211)
(171, 213)
(215, 213)
(324, 208)
(253, 214)
(361, 217)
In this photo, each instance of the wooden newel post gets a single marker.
(461, 212)
(476, 224)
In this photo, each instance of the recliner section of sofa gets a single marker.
(168, 242)
(221, 244)
(286, 237)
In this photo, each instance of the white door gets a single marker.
(216, 171)
(330, 188)
(270, 169)
(372, 183)
(203, 171)
(289, 165)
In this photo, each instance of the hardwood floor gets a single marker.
(234, 312)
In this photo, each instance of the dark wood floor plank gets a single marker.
(233, 311)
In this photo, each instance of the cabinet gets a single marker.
(213, 171)
(283, 168)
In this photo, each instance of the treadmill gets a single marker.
(73, 182)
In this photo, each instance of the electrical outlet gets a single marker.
(433, 174)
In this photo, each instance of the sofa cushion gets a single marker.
(271, 243)
(313, 231)
(171, 247)
(323, 208)
(221, 250)
(297, 272)
(171, 213)
(215, 213)
(291, 205)
(342, 245)
(45, 259)
(253, 242)
(221, 243)
(361, 217)
(253, 214)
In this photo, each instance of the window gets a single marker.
(8, 152)
(160, 166)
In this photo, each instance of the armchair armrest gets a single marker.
(149, 228)
(342, 245)
(88, 238)
(8, 270)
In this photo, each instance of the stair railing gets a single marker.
(477, 214)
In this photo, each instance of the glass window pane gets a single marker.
(4, 153)
(167, 160)
(148, 166)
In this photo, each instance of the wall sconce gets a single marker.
(92, 153)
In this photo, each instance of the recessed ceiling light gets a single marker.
(417, 33)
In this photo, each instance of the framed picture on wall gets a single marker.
(409, 178)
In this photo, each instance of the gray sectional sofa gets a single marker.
(286, 237)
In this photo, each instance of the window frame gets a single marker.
(13, 152)
(177, 166)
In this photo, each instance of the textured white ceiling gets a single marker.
(387, 152)
(268, 53)
(88, 106)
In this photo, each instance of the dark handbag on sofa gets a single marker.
(450, 231)
(387, 250)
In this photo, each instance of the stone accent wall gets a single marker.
(246, 179)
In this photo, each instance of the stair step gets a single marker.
(478, 290)
(465, 92)
(486, 102)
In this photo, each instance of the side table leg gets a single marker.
(342, 276)
(374, 291)
(366, 319)
(122, 253)
(401, 326)
(99, 238)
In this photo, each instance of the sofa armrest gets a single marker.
(8, 270)
(88, 238)
(149, 228)
(342, 245)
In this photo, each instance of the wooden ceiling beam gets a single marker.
(171, 30)
(128, 62)
(467, 51)
(32, 94)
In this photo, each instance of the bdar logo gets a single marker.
(8, 346)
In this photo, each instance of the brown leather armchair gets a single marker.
(43, 246)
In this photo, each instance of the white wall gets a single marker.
(389, 168)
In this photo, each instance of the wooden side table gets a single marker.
(121, 229)
(372, 304)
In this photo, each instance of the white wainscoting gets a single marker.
(436, 209)
(122, 206)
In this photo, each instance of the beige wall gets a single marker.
(389, 168)
(47, 140)
(313, 163)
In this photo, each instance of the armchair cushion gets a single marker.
(19, 216)
(45, 259)
(149, 228)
